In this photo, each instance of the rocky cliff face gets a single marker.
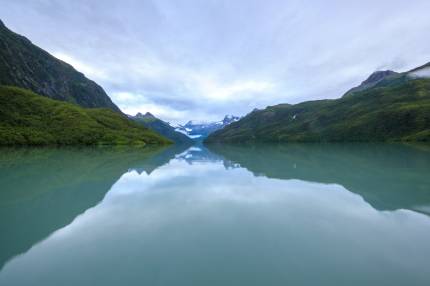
(25, 65)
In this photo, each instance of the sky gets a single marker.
(203, 59)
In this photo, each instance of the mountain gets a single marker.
(387, 107)
(25, 65)
(373, 80)
(27, 118)
(200, 129)
(150, 121)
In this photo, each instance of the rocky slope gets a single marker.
(25, 65)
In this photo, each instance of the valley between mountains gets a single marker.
(45, 101)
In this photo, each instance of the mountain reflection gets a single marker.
(44, 189)
(388, 176)
(255, 215)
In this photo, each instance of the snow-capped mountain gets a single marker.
(201, 129)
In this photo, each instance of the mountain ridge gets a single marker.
(201, 129)
(150, 121)
(395, 108)
(374, 79)
(28, 66)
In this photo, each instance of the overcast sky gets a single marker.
(202, 59)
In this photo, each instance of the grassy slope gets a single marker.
(30, 119)
(397, 110)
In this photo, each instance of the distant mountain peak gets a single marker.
(230, 119)
(201, 129)
(374, 79)
(377, 76)
(150, 121)
(146, 115)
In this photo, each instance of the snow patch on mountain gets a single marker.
(194, 136)
(196, 129)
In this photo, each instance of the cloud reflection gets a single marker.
(204, 222)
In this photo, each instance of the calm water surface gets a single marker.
(257, 215)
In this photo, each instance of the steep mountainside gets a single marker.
(150, 121)
(25, 65)
(395, 108)
(27, 118)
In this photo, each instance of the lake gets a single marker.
(299, 214)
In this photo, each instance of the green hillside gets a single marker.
(27, 118)
(395, 108)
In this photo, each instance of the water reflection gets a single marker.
(44, 189)
(261, 215)
(388, 176)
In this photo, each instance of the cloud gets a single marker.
(236, 91)
(133, 103)
(200, 60)
(421, 73)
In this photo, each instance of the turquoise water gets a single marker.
(355, 214)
